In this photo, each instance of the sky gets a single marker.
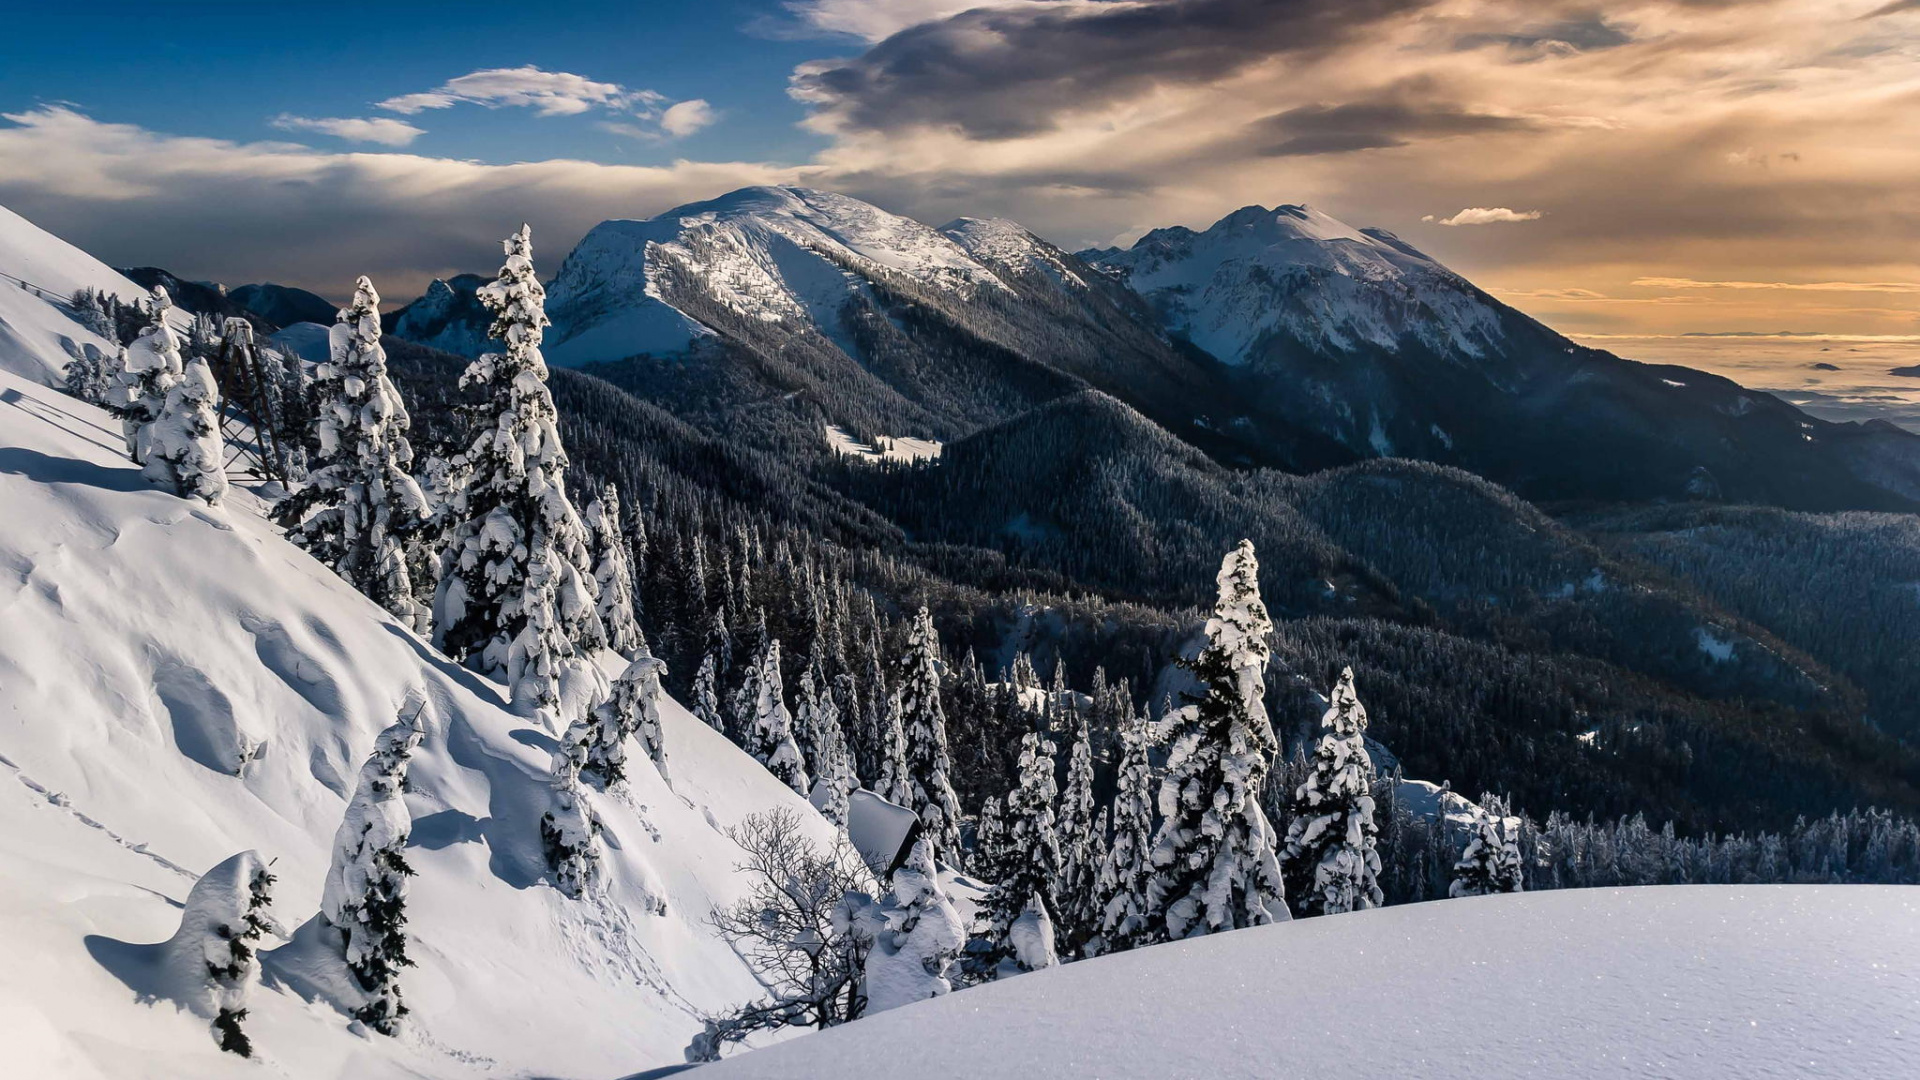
(1633, 172)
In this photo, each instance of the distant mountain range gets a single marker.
(1276, 336)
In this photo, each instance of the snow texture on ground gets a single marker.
(1677, 981)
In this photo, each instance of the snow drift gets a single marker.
(1805, 981)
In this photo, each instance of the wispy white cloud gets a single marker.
(870, 20)
(1485, 215)
(220, 209)
(378, 129)
(687, 117)
(550, 93)
(1787, 286)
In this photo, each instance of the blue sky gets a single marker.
(227, 69)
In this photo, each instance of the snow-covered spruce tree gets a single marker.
(1329, 859)
(613, 574)
(631, 710)
(365, 896)
(91, 375)
(1127, 870)
(823, 743)
(516, 591)
(185, 452)
(361, 512)
(893, 776)
(1213, 859)
(706, 694)
(924, 726)
(920, 937)
(569, 831)
(211, 958)
(153, 365)
(1491, 862)
(766, 723)
(1028, 864)
(1080, 846)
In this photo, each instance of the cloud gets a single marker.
(550, 93)
(687, 117)
(383, 130)
(1787, 286)
(1002, 73)
(869, 20)
(1485, 215)
(1396, 117)
(229, 211)
(1893, 8)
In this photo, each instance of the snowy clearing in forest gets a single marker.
(1707, 981)
(885, 448)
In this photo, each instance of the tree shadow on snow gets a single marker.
(46, 469)
(138, 966)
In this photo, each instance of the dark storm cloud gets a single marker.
(1394, 119)
(997, 74)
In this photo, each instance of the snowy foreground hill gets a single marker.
(179, 684)
(1674, 981)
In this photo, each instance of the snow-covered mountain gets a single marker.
(179, 684)
(781, 255)
(1295, 274)
(1807, 981)
(448, 317)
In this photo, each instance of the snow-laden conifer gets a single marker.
(365, 895)
(185, 452)
(766, 724)
(153, 365)
(1491, 861)
(613, 574)
(361, 512)
(1213, 859)
(1330, 857)
(893, 775)
(1126, 872)
(211, 960)
(92, 375)
(1027, 864)
(919, 939)
(1080, 846)
(632, 710)
(823, 742)
(924, 726)
(569, 830)
(517, 592)
(706, 694)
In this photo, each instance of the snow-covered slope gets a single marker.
(36, 267)
(1702, 981)
(1295, 270)
(783, 255)
(179, 684)
(1008, 247)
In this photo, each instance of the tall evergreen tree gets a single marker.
(517, 591)
(361, 512)
(1127, 870)
(822, 741)
(186, 453)
(924, 726)
(706, 694)
(893, 777)
(569, 830)
(613, 573)
(1491, 861)
(1027, 861)
(1329, 858)
(1080, 846)
(153, 365)
(365, 897)
(1214, 865)
(766, 724)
